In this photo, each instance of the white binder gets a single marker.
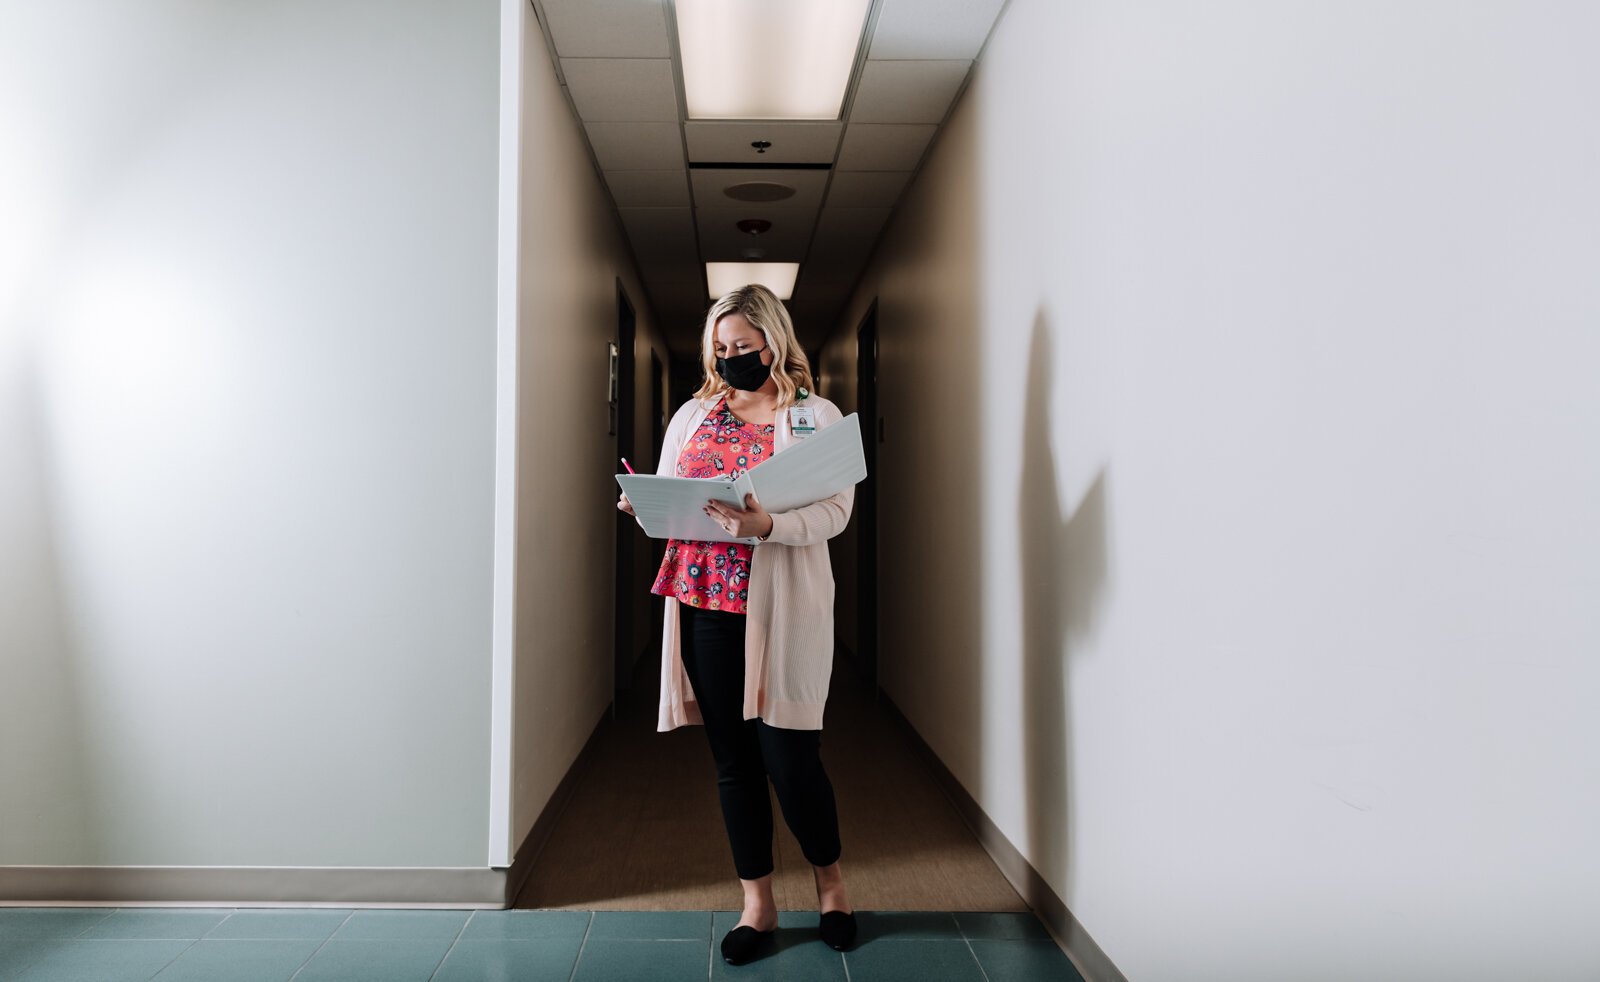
(815, 467)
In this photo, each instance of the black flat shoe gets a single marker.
(838, 930)
(744, 943)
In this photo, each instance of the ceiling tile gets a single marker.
(907, 91)
(680, 293)
(884, 146)
(866, 188)
(629, 89)
(607, 28)
(835, 265)
(815, 293)
(717, 141)
(635, 146)
(648, 188)
(660, 235)
(785, 242)
(851, 222)
(844, 239)
(933, 28)
(812, 294)
(673, 264)
(685, 266)
(708, 184)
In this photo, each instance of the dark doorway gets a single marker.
(624, 629)
(659, 416)
(687, 374)
(867, 498)
(658, 406)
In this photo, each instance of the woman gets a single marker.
(747, 648)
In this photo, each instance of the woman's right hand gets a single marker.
(623, 504)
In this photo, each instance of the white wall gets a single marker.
(571, 254)
(246, 426)
(1268, 633)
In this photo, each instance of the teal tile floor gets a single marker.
(98, 944)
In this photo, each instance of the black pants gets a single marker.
(747, 752)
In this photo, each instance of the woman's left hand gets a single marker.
(752, 522)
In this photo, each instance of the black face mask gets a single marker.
(745, 371)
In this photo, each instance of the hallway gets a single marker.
(1225, 564)
(643, 830)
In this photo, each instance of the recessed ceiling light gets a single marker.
(771, 59)
(777, 277)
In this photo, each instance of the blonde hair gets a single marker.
(766, 313)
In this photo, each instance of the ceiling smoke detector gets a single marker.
(759, 191)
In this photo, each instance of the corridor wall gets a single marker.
(1241, 434)
(569, 254)
(307, 513)
(247, 398)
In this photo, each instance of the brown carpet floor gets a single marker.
(643, 830)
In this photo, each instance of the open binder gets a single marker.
(816, 467)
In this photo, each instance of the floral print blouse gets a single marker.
(714, 575)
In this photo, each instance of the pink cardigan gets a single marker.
(788, 654)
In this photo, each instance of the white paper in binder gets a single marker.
(816, 467)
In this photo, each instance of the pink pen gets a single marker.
(627, 465)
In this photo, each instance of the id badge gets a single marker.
(802, 421)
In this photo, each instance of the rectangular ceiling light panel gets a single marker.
(768, 59)
(777, 277)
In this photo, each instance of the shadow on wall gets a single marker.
(1063, 577)
(47, 812)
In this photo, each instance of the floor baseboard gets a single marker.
(252, 886)
(1092, 963)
